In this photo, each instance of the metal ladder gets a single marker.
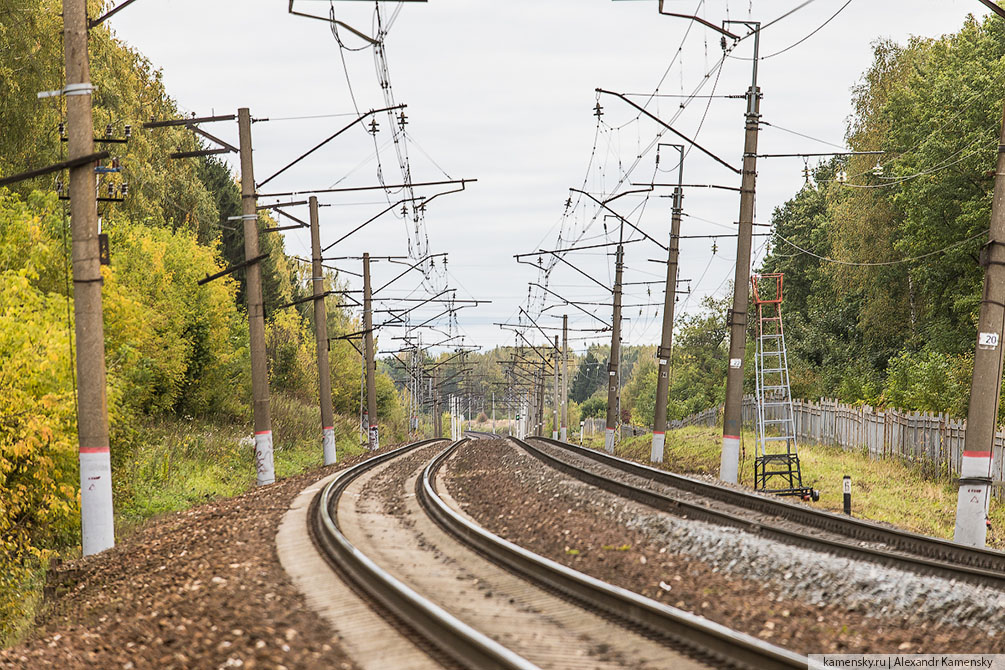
(775, 470)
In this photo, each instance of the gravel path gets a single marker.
(796, 598)
(201, 589)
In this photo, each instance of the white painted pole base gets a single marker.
(554, 434)
(563, 434)
(729, 466)
(971, 514)
(972, 503)
(263, 458)
(609, 441)
(97, 519)
(374, 441)
(656, 454)
(328, 444)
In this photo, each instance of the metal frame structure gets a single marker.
(774, 471)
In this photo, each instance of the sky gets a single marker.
(505, 93)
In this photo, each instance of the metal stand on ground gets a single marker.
(775, 471)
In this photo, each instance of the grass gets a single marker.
(888, 490)
(184, 462)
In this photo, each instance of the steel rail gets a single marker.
(448, 634)
(920, 553)
(706, 638)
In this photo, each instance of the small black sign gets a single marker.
(104, 254)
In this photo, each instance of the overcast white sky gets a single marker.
(503, 92)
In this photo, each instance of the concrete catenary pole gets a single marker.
(613, 383)
(97, 519)
(985, 386)
(538, 399)
(732, 416)
(564, 432)
(666, 340)
(321, 336)
(556, 405)
(256, 308)
(437, 419)
(541, 398)
(493, 412)
(372, 434)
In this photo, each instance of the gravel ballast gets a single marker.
(201, 588)
(807, 601)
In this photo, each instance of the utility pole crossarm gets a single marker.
(546, 336)
(324, 142)
(407, 270)
(569, 302)
(604, 204)
(351, 189)
(644, 111)
(55, 167)
(595, 281)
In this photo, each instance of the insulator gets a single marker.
(62, 129)
(598, 111)
(722, 42)
(115, 163)
(374, 127)
(59, 186)
(125, 189)
(402, 120)
(715, 247)
(128, 131)
(108, 130)
(111, 190)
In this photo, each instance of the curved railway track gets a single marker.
(669, 631)
(775, 518)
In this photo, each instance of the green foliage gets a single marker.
(699, 360)
(593, 407)
(589, 376)
(171, 344)
(874, 329)
(929, 381)
(175, 351)
(39, 504)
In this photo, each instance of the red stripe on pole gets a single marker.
(735, 437)
(264, 432)
(327, 427)
(94, 450)
(658, 432)
(977, 454)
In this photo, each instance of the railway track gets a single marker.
(771, 517)
(547, 616)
